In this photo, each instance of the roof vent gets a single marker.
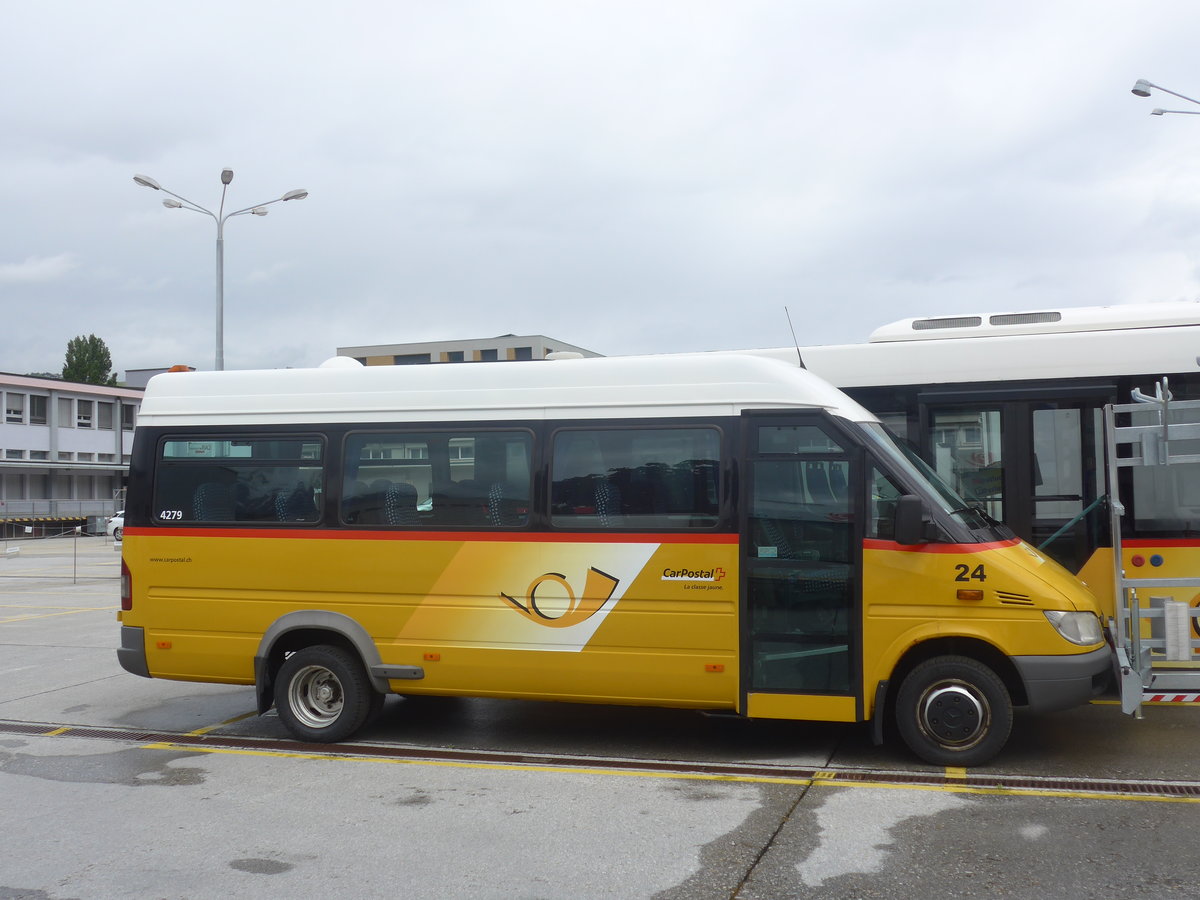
(1031, 318)
(952, 322)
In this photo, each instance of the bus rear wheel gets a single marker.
(322, 694)
(954, 711)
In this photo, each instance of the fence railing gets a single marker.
(55, 509)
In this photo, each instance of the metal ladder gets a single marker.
(1172, 637)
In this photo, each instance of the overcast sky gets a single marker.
(625, 176)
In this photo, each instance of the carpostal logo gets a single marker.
(712, 575)
(561, 608)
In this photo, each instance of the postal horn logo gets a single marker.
(561, 608)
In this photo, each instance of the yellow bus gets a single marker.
(725, 533)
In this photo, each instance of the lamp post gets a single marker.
(220, 217)
(1142, 88)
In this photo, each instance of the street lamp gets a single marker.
(1142, 88)
(220, 217)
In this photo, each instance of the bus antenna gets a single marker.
(794, 341)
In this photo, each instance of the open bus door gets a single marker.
(1156, 631)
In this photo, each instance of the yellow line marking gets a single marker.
(691, 776)
(56, 731)
(500, 767)
(956, 772)
(202, 731)
(1151, 702)
(69, 612)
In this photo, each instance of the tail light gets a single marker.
(126, 587)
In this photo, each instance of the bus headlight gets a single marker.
(1081, 628)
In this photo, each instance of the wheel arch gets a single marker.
(307, 628)
(970, 647)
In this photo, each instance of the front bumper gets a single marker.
(1060, 682)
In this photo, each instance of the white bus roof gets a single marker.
(1087, 342)
(344, 391)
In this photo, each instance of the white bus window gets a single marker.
(438, 480)
(636, 478)
(228, 480)
(967, 453)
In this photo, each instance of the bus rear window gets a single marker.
(223, 479)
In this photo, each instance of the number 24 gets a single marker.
(965, 573)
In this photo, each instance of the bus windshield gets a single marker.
(907, 461)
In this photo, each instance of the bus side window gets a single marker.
(651, 477)
(257, 478)
(881, 510)
(438, 479)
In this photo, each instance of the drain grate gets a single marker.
(825, 775)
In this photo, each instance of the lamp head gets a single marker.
(172, 204)
(1141, 87)
(259, 211)
(226, 176)
(298, 194)
(1157, 112)
(147, 181)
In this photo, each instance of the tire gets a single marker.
(117, 533)
(323, 695)
(954, 711)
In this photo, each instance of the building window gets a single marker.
(106, 457)
(14, 408)
(454, 356)
(65, 410)
(37, 409)
(411, 359)
(523, 353)
(104, 416)
(39, 454)
(128, 416)
(488, 355)
(86, 457)
(14, 454)
(65, 456)
(83, 413)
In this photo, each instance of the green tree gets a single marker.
(88, 361)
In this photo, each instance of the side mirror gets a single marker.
(910, 520)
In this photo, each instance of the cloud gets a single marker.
(37, 269)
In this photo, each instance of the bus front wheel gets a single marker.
(322, 694)
(954, 711)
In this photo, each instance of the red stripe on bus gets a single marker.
(346, 534)
(1151, 543)
(875, 544)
